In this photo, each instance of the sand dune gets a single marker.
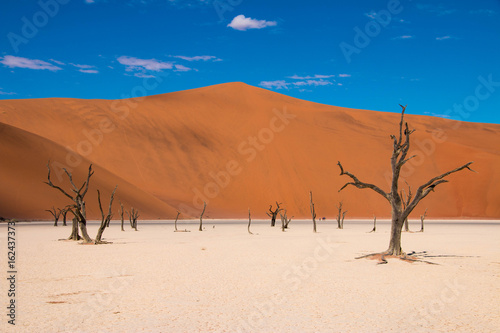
(236, 146)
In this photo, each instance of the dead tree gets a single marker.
(273, 213)
(398, 159)
(249, 222)
(64, 212)
(201, 216)
(374, 224)
(422, 218)
(175, 223)
(78, 206)
(285, 220)
(133, 215)
(56, 213)
(105, 219)
(121, 214)
(406, 202)
(313, 211)
(340, 216)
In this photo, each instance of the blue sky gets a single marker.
(442, 58)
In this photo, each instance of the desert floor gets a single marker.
(225, 280)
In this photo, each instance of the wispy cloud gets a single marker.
(317, 76)
(89, 71)
(488, 12)
(439, 10)
(404, 37)
(182, 68)
(58, 62)
(198, 58)
(19, 62)
(301, 82)
(278, 84)
(136, 64)
(243, 23)
(437, 114)
(445, 38)
(6, 93)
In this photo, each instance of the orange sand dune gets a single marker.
(237, 147)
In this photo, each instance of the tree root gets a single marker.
(383, 256)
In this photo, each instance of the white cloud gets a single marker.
(182, 68)
(82, 66)
(445, 38)
(90, 71)
(404, 37)
(278, 84)
(19, 62)
(89, 1)
(243, 23)
(6, 93)
(317, 76)
(142, 75)
(344, 75)
(136, 64)
(58, 62)
(197, 58)
(314, 83)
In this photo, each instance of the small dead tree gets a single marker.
(273, 213)
(56, 213)
(398, 159)
(177, 217)
(201, 216)
(313, 210)
(121, 214)
(78, 206)
(133, 215)
(340, 216)
(422, 218)
(249, 222)
(64, 212)
(374, 224)
(285, 220)
(105, 219)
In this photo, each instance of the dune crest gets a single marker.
(236, 146)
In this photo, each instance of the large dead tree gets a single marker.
(398, 159)
(78, 206)
(273, 213)
(105, 218)
(313, 210)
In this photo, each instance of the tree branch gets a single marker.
(359, 184)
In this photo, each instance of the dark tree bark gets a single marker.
(133, 215)
(313, 211)
(56, 213)
(121, 215)
(374, 224)
(398, 159)
(105, 219)
(78, 206)
(74, 230)
(273, 213)
(340, 216)
(422, 218)
(175, 223)
(64, 212)
(201, 216)
(249, 222)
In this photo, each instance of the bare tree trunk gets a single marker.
(249, 222)
(55, 214)
(105, 219)
(133, 215)
(374, 224)
(273, 213)
(340, 216)
(121, 214)
(422, 218)
(313, 211)
(395, 240)
(175, 223)
(201, 216)
(74, 230)
(64, 212)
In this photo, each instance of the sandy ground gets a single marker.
(225, 280)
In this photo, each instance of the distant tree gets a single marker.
(374, 224)
(340, 216)
(201, 216)
(249, 222)
(422, 218)
(273, 213)
(56, 213)
(398, 159)
(133, 215)
(121, 215)
(313, 210)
